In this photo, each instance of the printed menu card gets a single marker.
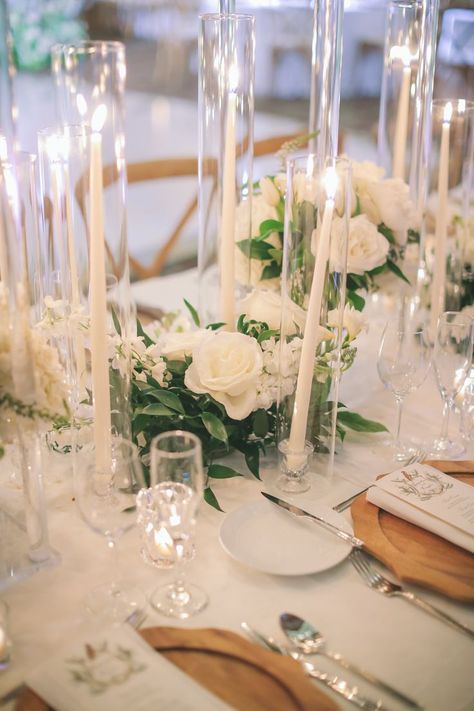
(428, 498)
(116, 670)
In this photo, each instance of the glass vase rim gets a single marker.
(442, 103)
(194, 439)
(305, 155)
(235, 16)
(86, 47)
(75, 130)
(405, 3)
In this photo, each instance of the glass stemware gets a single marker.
(403, 364)
(168, 513)
(452, 359)
(106, 498)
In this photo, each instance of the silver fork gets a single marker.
(378, 582)
(340, 686)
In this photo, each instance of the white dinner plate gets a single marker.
(272, 540)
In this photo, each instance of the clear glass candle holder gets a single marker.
(226, 108)
(448, 229)
(314, 347)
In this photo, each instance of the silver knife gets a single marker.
(348, 537)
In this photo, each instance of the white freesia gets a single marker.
(261, 211)
(367, 248)
(227, 367)
(352, 320)
(392, 200)
(176, 346)
(270, 192)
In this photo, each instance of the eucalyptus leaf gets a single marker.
(146, 338)
(214, 426)
(210, 498)
(396, 270)
(193, 312)
(169, 399)
(219, 471)
(358, 423)
(156, 409)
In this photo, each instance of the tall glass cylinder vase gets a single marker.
(326, 68)
(226, 108)
(24, 398)
(397, 100)
(314, 345)
(90, 83)
(448, 227)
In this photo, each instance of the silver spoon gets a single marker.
(309, 641)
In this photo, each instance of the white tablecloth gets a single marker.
(426, 659)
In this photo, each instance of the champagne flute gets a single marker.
(452, 359)
(106, 497)
(403, 364)
(170, 507)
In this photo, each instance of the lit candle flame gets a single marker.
(448, 112)
(330, 182)
(163, 541)
(98, 118)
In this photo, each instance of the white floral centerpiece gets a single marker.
(382, 223)
(222, 386)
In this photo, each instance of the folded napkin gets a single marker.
(430, 499)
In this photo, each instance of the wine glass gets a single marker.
(170, 507)
(403, 364)
(452, 358)
(106, 497)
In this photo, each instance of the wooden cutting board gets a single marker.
(245, 676)
(414, 554)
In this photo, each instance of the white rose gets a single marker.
(392, 200)
(261, 211)
(352, 320)
(227, 367)
(270, 193)
(364, 176)
(176, 346)
(262, 305)
(367, 248)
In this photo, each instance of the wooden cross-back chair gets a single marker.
(165, 168)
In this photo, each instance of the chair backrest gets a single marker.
(169, 168)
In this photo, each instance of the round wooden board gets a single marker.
(245, 676)
(414, 554)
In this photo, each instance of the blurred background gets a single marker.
(161, 41)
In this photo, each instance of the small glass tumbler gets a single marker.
(5, 643)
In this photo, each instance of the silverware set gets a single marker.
(339, 685)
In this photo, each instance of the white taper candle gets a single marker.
(98, 302)
(438, 285)
(299, 420)
(227, 241)
(401, 125)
